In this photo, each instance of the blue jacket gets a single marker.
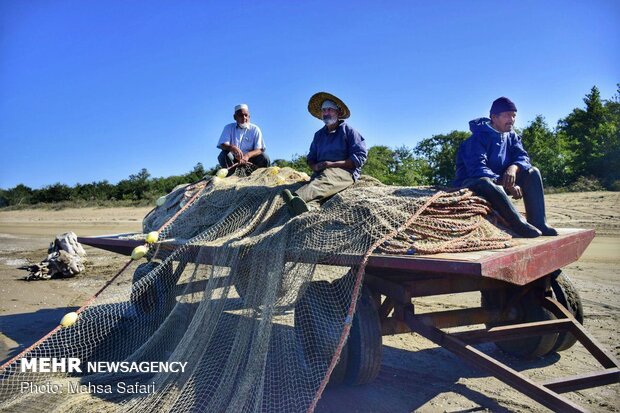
(487, 153)
(345, 143)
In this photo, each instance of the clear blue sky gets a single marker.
(94, 90)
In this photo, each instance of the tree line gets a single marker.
(582, 152)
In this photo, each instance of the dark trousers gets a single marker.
(531, 185)
(529, 181)
(226, 160)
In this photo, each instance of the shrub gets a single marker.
(586, 184)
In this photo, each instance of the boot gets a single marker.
(500, 203)
(534, 200)
(296, 205)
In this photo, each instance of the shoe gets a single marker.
(498, 199)
(296, 205)
(534, 201)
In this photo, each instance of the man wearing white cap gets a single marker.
(241, 142)
(336, 154)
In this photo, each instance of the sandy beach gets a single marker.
(415, 375)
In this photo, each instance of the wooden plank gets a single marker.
(531, 259)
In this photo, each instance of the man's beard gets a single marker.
(244, 125)
(328, 120)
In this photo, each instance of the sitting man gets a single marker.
(336, 154)
(492, 163)
(241, 142)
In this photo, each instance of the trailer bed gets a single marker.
(528, 260)
(515, 280)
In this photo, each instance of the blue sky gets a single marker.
(94, 90)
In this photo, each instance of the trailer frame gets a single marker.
(526, 268)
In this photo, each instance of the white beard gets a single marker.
(244, 126)
(330, 121)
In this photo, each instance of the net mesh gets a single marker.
(258, 305)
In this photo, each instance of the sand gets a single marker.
(415, 374)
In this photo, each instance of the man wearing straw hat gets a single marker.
(241, 142)
(336, 155)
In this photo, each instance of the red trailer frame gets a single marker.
(521, 274)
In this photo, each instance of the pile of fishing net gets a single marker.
(258, 305)
(65, 259)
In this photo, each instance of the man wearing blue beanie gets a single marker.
(493, 163)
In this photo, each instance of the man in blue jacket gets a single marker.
(493, 163)
(336, 154)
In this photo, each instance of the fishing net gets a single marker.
(256, 304)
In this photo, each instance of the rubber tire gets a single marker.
(566, 294)
(365, 345)
(316, 336)
(530, 310)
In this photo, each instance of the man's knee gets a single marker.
(530, 177)
(223, 159)
(261, 160)
(485, 187)
(481, 183)
(325, 184)
(533, 171)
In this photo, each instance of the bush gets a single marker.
(615, 185)
(586, 184)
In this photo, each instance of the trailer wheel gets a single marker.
(530, 309)
(318, 327)
(364, 342)
(566, 294)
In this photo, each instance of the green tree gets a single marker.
(19, 195)
(196, 174)
(135, 187)
(381, 163)
(52, 193)
(592, 136)
(395, 166)
(410, 170)
(548, 152)
(439, 152)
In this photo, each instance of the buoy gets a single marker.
(222, 173)
(139, 252)
(161, 200)
(69, 319)
(152, 237)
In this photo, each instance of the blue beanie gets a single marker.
(502, 104)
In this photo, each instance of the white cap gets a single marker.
(241, 106)
(329, 104)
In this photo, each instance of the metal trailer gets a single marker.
(530, 309)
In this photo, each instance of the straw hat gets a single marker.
(315, 102)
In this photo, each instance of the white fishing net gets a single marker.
(258, 305)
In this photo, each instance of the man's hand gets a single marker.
(510, 177)
(237, 153)
(244, 159)
(515, 191)
(318, 167)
